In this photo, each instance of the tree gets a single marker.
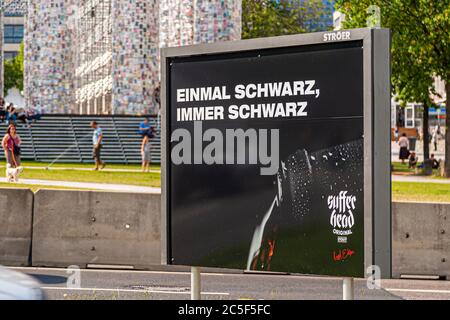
(13, 72)
(266, 18)
(420, 48)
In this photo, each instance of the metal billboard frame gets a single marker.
(377, 133)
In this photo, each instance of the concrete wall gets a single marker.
(420, 239)
(61, 228)
(16, 214)
(86, 227)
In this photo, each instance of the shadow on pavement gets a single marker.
(48, 279)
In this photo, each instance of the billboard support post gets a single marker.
(348, 290)
(195, 284)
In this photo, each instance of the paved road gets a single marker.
(129, 284)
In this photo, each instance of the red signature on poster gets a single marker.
(342, 254)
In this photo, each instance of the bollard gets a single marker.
(195, 284)
(348, 289)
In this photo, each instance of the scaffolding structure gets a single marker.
(94, 57)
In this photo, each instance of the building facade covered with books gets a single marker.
(102, 56)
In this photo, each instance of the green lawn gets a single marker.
(415, 191)
(150, 179)
(401, 191)
(403, 168)
(399, 167)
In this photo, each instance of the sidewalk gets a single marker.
(89, 185)
(423, 179)
(83, 169)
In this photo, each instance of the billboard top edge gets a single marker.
(270, 42)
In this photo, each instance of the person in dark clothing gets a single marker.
(33, 115)
(412, 161)
(11, 114)
(434, 162)
(22, 116)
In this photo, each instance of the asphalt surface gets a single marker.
(157, 285)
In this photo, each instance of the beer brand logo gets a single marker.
(342, 207)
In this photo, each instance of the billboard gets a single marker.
(276, 154)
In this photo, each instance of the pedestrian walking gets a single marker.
(404, 150)
(97, 142)
(146, 153)
(435, 137)
(11, 145)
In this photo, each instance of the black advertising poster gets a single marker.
(266, 154)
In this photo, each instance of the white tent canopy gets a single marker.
(15, 97)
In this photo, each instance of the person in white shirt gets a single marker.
(97, 142)
(435, 136)
(404, 147)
